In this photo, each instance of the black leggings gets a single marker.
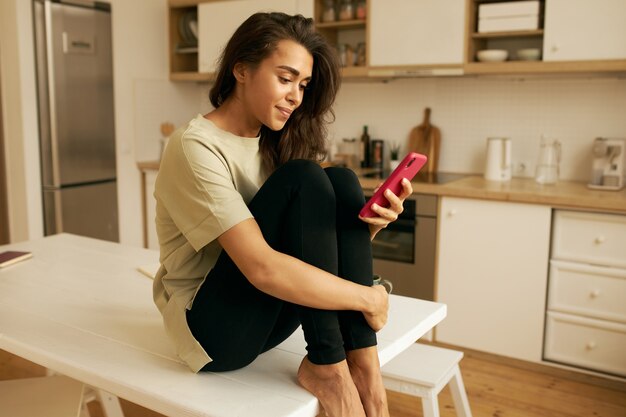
(309, 213)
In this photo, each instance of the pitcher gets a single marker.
(547, 171)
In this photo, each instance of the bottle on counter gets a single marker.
(376, 154)
(365, 146)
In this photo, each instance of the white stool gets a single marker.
(422, 371)
(109, 403)
(48, 396)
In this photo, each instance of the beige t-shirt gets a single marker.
(206, 179)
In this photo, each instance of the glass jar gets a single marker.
(361, 10)
(359, 59)
(329, 14)
(346, 10)
(341, 49)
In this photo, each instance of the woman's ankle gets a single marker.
(365, 371)
(333, 386)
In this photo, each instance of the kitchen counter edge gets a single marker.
(564, 194)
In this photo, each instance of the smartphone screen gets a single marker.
(408, 168)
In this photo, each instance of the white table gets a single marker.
(64, 310)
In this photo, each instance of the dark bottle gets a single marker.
(365, 146)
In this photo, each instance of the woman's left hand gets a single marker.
(391, 213)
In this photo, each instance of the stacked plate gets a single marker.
(529, 54)
(492, 55)
(188, 29)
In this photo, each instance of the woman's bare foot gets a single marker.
(333, 387)
(365, 370)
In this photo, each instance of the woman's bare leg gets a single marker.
(333, 387)
(365, 370)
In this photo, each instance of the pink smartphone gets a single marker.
(409, 166)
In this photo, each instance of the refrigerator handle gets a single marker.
(88, 3)
(52, 110)
(53, 212)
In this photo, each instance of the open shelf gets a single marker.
(183, 57)
(509, 34)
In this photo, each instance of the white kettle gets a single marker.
(498, 164)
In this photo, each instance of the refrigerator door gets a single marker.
(87, 210)
(76, 94)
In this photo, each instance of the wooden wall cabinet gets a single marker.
(592, 30)
(573, 37)
(405, 38)
(216, 21)
(427, 32)
(183, 57)
(346, 36)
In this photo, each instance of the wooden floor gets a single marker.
(496, 387)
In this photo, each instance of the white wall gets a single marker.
(468, 110)
(139, 51)
(144, 98)
(19, 107)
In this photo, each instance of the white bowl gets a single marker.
(529, 54)
(492, 55)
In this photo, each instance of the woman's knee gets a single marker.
(345, 183)
(301, 168)
(342, 176)
(305, 173)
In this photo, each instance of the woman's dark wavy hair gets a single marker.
(304, 134)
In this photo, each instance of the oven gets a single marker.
(404, 252)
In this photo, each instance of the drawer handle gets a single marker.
(594, 294)
(590, 345)
(451, 212)
(599, 240)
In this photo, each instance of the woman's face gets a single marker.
(276, 88)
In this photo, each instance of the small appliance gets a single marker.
(498, 164)
(608, 164)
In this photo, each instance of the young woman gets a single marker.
(256, 238)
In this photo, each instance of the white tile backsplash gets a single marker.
(470, 109)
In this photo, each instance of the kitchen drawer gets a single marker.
(593, 238)
(587, 290)
(587, 343)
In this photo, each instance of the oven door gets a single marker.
(404, 253)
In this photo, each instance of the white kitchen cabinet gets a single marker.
(586, 314)
(409, 32)
(584, 30)
(587, 343)
(492, 274)
(592, 238)
(218, 20)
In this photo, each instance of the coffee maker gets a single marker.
(607, 168)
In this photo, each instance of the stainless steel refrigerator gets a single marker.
(76, 117)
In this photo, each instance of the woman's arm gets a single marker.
(293, 280)
(388, 215)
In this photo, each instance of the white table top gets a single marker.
(63, 309)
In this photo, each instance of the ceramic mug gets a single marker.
(384, 282)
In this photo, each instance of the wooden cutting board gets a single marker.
(426, 139)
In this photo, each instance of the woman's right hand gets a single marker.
(377, 315)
